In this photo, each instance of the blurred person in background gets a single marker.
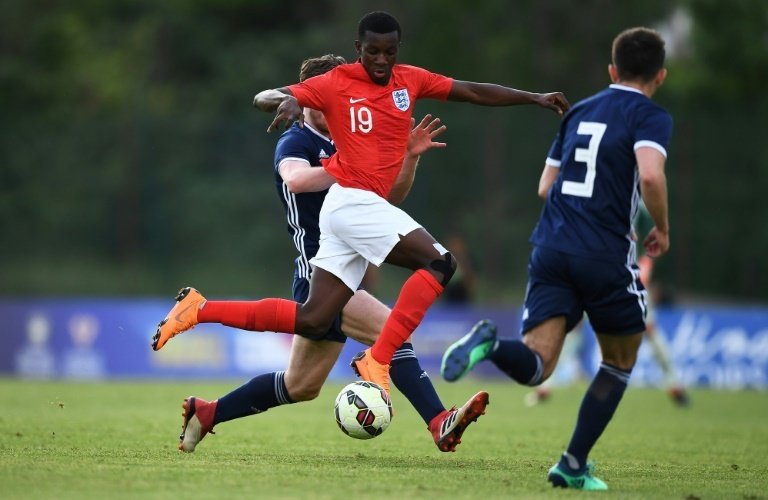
(659, 346)
(609, 153)
(461, 289)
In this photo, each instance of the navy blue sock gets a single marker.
(407, 375)
(255, 396)
(597, 409)
(518, 361)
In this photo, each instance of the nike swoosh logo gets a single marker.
(178, 315)
(352, 101)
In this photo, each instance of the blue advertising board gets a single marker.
(110, 338)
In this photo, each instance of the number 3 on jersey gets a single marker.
(589, 156)
(360, 119)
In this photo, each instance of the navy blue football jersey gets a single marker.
(591, 206)
(303, 209)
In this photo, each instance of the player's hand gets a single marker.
(656, 243)
(555, 101)
(422, 135)
(288, 112)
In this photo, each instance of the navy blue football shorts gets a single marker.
(561, 284)
(300, 294)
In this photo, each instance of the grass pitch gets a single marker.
(119, 439)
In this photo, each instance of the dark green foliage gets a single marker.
(132, 162)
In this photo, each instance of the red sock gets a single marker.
(417, 294)
(266, 315)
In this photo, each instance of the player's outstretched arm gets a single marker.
(653, 187)
(283, 103)
(301, 177)
(420, 141)
(490, 94)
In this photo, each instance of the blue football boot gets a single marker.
(465, 353)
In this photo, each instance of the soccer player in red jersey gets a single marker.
(368, 106)
(302, 184)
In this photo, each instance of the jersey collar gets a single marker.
(624, 87)
(314, 131)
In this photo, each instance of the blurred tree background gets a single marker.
(133, 162)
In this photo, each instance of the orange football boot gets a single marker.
(182, 317)
(371, 370)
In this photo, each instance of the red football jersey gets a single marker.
(369, 123)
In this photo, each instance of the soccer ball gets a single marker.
(363, 410)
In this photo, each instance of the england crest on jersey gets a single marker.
(402, 101)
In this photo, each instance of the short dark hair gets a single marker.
(318, 65)
(638, 54)
(378, 22)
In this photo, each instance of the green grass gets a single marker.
(118, 440)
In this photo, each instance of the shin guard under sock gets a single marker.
(597, 409)
(411, 380)
(417, 294)
(255, 396)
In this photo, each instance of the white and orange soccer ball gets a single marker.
(363, 410)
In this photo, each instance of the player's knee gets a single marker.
(303, 392)
(312, 323)
(548, 367)
(622, 360)
(546, 348)
(444, 268)
(313, 329)
(301, 389)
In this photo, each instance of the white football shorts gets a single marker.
(358, 227)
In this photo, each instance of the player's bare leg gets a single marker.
(312, 360)
(433, 266)
(620, 350)
(363, 317)
(327, 297)
(308, 367)
(547, 339)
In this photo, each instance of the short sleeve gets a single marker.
(291, 146)
(432, 85)
(554, 156)
(312, 92)
(654, 129)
